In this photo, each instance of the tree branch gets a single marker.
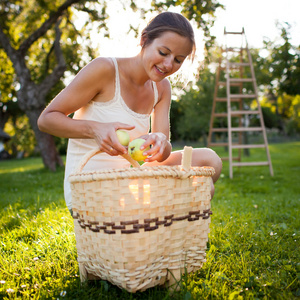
(17, 59)
(61, 66)
(5, 43)
(54, 16)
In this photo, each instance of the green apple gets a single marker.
(134, 149)
(123, 137)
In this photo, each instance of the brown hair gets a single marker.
(168, 21)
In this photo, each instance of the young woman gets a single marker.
(122, 93)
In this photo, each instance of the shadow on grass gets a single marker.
(105, 290)
(100, 289)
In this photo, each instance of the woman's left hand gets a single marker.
(161, 147)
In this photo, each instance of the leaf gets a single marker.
(188, 295)
(234, 295)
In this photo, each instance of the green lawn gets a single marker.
(253, 250)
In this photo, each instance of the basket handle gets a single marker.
(186, 160)
(94, 152)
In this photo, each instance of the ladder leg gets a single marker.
(261, 115)
(211, 124)
(229, 118)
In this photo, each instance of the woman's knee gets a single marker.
(208, 157)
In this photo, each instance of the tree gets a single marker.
(31, 37)
(39, 43)
(279, 73)
(191, 114)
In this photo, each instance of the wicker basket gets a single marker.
(141, 227)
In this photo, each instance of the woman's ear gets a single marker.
(143, 39)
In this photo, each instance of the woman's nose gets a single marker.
(168, 64)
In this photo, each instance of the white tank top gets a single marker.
(114, 110)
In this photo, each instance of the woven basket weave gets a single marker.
(141, 227)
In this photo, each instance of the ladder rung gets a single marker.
(221, 144)
(237, 113)
(234, 32)
(232, 83)
(219, 129)
(227, 158)
(235, 96)
(248, 146)
(242, 164)
(240, 79)
(244, 112)
(239, 129)
(217, 144)
(220, 114)
(235, 84)
(220, 99)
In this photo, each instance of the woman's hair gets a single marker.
(168, 21)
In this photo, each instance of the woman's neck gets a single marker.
(134, 70)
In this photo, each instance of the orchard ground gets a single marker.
(253, 249)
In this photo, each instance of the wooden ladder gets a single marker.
(236, 109)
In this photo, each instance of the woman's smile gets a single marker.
(165, 55)
(160, 71)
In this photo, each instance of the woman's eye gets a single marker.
(162, 53)
(178, 61)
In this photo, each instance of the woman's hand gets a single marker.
(161, 147)
(106, 137)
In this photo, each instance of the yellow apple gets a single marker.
(134, 149)
(123, 137)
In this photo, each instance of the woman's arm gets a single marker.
(160, 126)
(90, 82)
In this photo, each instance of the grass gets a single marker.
(253, 249)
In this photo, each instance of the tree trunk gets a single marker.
(45, 142)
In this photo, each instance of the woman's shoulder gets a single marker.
(164, 84)
(163, 88)
(101, 65)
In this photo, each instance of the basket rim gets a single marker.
(143, 172)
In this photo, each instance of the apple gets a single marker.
(123, 137)
(134, 149)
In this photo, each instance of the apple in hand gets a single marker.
(134, 149)
(123, 137)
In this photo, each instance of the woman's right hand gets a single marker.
(106, 137)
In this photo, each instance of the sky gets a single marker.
(258, 17)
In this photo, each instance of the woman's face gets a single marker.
(165, 55)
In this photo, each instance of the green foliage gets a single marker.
(277, 76)
(270, 118)
(7, 77)
(61, 145)
(23, 139)
(278, 71)
(190, 115)
(281, 67)
(284, 110)
(21, 20)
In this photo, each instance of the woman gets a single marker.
(121, 93)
